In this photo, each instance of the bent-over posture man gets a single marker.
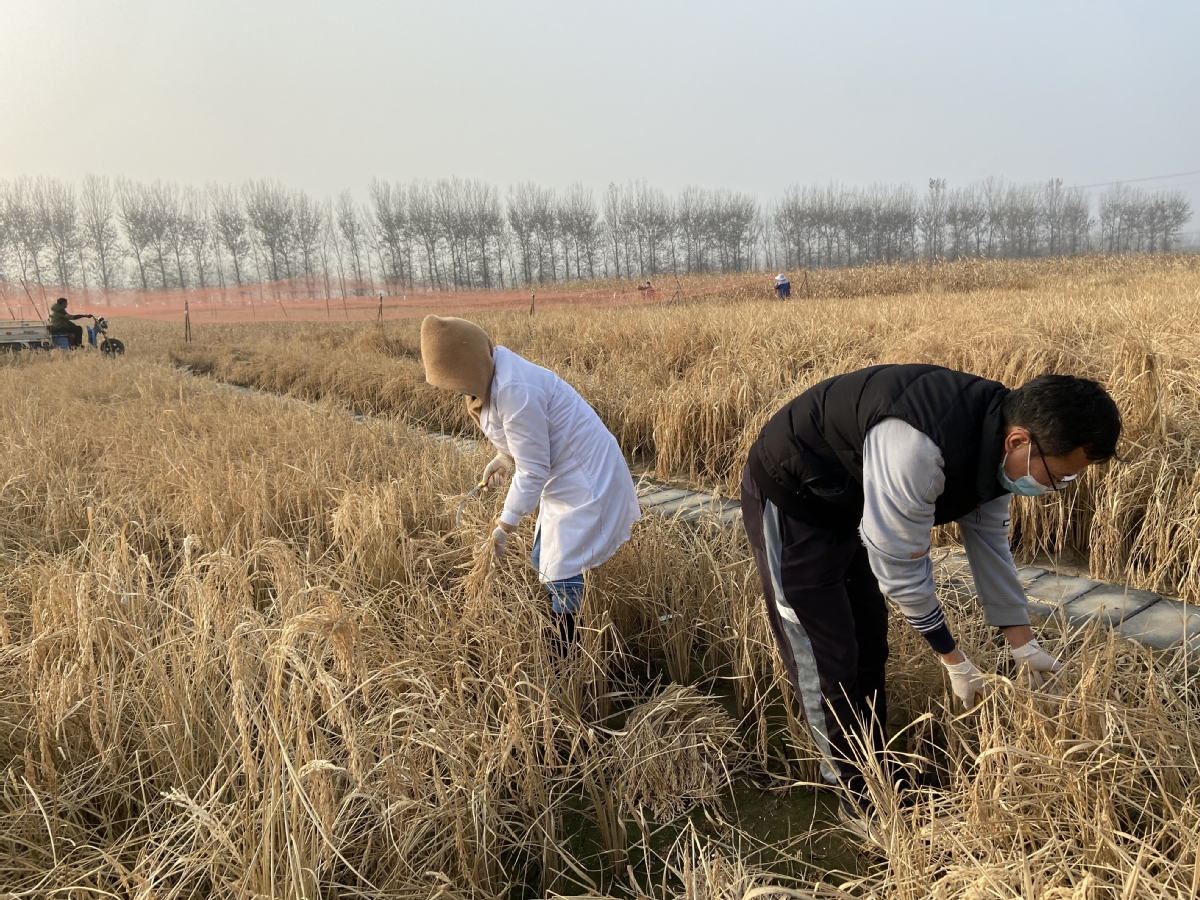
(562, 458)
(839, 495)
(61, 322)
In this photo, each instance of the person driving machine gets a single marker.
(62, 322)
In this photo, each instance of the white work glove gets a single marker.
(1035, 661)
(496, 472)
(966, 682)
(499, 542)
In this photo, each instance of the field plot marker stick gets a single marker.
(380, 319)
(261, 299)
(532, 299)
(807, 292)
(187, 323)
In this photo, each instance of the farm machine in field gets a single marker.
(35, 335)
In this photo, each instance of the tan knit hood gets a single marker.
(458, 357)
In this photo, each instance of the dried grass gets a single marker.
(677, 748)
(686, 388)
(238, 659)
(477, 578)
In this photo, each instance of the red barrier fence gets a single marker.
(312, 299)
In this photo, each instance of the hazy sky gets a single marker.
(749, 95)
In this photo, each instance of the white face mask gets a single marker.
(1027, 485)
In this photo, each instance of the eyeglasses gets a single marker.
(1056, 484)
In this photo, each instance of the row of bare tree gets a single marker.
(831, 226)
(460, 233)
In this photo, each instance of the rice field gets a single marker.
(241, 653)
(686, 387)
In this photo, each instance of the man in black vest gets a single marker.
(839, 495)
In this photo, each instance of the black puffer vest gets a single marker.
(808, 457)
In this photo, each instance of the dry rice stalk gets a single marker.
(236, 660)
(678, 748)
(483, 567)
(688, 394)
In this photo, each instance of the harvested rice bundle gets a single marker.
(678, 748)
(475, 582)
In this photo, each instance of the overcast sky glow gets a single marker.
(746, 94)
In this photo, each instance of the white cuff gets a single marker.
(1025, 650)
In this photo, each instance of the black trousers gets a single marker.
(830, 625)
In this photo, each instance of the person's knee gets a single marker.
(872, 665)
(872, 679)
(873, 649)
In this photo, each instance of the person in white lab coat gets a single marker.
(552, 443)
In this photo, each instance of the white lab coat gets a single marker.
(566, 460)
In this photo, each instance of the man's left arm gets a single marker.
(985, 538)
(1001, 594)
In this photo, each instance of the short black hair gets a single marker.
(1064, 413)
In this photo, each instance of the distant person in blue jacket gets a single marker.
(783, 287)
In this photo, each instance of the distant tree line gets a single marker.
(459, 233)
